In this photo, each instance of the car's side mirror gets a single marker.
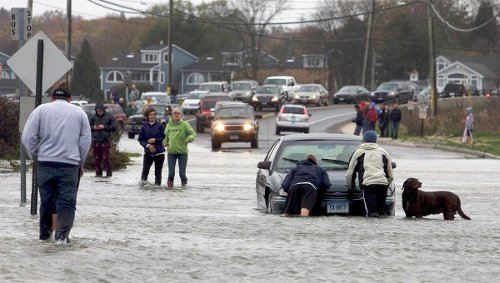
(264, 165)
(393, 164)
(258, 116)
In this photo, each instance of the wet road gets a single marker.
(212, 232)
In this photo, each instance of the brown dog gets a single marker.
(419, 203)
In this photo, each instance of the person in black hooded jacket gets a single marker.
(303, 185)
(102, 125)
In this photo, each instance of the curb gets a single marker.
(348, 128)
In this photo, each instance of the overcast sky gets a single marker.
(298, 8)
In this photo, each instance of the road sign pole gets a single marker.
(22, 152)
(38, 101)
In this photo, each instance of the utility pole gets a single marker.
(374, 61)
(170, 21)
(68, 35)
(367, 44)
(432, 62)
(30, 5)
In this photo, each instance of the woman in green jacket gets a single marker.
(178, 133)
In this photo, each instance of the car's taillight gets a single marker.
(306, 113)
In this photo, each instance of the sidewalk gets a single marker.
(349, 129)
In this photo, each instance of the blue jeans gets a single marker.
(183, 160)
(394, 130)
(58, 184)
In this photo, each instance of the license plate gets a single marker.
(337, 206)
(233, 137)
(341, 99)
(452, 94)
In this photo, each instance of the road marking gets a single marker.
(330, 117)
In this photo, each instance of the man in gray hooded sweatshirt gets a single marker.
(373, 166)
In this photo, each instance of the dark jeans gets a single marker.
(58, 189)
(146, 165)
(374, 197)
(101, 157)
(172, 159)
(357, 130)
(300, 196)
(394, 130)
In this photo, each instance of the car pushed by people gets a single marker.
(293, 117)
(268, 97)
(234, 122)
(314, 94)
(333, 152)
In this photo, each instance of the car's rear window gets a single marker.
(208, 104)
(323, 149)
(294, 110)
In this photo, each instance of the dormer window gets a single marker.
(232, 59)
(313, 61)
(150, 57)
(441, 65)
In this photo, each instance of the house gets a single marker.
(149, 66)
(8, 80)
(226, 66)
(482, 72)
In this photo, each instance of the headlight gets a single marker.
(296, 96)
(372, 94)
(247, 127)
(248, 93)
(313, 96)
(219, 127)
(274, 99)
(255, 98)
(392, 93)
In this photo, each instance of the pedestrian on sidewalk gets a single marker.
(303, 185)
(395, 119)
(102, 125)
(58, 135)
(373, 167)
(383, 119)
(469, 124)
(151, 138)
(178, 133)
(358, 120)
(371, 117)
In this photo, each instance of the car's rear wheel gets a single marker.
(326, 102)
(131, 135)
(278, 130)
(255, 143)
(215, 144)
(306, 131)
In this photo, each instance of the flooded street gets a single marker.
(212, 231)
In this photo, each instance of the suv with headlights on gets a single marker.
(235, 123)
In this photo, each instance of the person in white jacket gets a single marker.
(372, 165)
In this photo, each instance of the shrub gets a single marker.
(9, 129)
(451, 116)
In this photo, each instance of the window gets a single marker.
(114, 77)
(313, 61)
(195, 79)
(146, 77)
(441, 65)
(155, 76)
(232, 59)
(440, 81)
(4, 75)
(136, 76)
(165, 57)
(473, 80)
(162, 77)
(214, 77)
(150, 58)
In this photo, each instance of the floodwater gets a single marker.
(212, 231)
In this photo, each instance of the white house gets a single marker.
(482, 72)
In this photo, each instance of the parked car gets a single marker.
(157, 96)
(399, 92)
(191, 102)
(314, 94)
(287, 83)
(292, 117)
(268, 96)
(243, 90)
(453, 90)
(205, 114)
(351, 94)
(235, 123)
(215, 86)
(333, 152)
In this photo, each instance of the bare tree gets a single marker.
(257, 14)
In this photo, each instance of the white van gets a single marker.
(287, 83)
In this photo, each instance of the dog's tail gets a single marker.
(461, 213)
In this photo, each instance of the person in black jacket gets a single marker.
(358, 120)
(383, 119)
(395, 119)
(102, 125)
(303, 184)
(151, 138)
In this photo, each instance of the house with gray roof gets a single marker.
(8, 80)
(482, 72)
(149, 66)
